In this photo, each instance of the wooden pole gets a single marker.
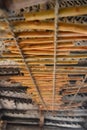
(78, 28)
(49, 14)
(39, 34)
(44, 25)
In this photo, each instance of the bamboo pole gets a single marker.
(49, 14)
(45, 25)
(44, 56)
(71, 39)
(61, 71)
(44, 79)
(73, 11)
(33, 25)
(44, 42)
(39, 34)
(78, 28)
(44, 51)
(49, 62)
(59, 68)
(33, 34)
(65, 51)
(37, 40)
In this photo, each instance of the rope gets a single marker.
(55, 51)
(81, 85)
(26, 65)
